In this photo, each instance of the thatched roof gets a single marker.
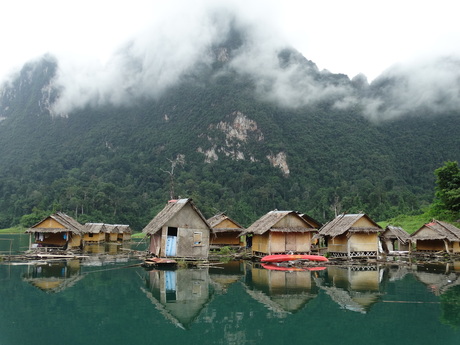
(96, 228)
(93, 228)
(168, 212)
(313, 222)
(269, 220)
(396, 232)
(124, 229)
(221, 217)
(439, 231)
(68, 223)
(345, 222)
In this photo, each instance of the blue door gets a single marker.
(171, 244)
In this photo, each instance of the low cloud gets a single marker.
(426, 87)
(156, 59)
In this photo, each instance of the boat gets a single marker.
(293, 257)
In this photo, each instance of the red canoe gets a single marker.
(293, 257)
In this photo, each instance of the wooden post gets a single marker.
(447, 246)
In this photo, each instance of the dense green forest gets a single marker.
(121, 163)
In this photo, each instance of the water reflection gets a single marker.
(53, 277)
(354, 288)
(282, 291)
(224, 275)
(438, 278)
(233, 303)
(178, 295)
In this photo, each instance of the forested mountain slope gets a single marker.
(233, 141)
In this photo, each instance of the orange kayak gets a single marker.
(293, 257)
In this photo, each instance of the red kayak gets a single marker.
(293, 257)
(291, 269)
(281, 268)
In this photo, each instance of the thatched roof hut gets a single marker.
(226, 231)
(179, 230)
(437, 236)
(352, 235)
(117, 232)
(395, 238)
(279, 232)
(93, 232)
(56, 230)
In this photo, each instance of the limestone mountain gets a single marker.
(235, 137)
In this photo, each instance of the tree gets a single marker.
(448, 188)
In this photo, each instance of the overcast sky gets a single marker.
(350, 37)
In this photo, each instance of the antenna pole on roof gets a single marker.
(180, 159)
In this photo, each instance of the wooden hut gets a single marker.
(179, 230)
(117, 232)
(395, 238)
(279, 232)
(226, 232)
(57, 230)
(351, 235)
(437, 236)
(124, 232)
(93, 233)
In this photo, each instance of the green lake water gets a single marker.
(110, 299)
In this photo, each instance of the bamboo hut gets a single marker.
(93, 233)
(226, 232)
(57, 230)
(437, 236)
(279, 232)
(179, 230)
(124, 232)
(117, 232)
(351, 235)
(395, 238)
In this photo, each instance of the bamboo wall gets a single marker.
(226, 238)
(436, 245)
(99, 237)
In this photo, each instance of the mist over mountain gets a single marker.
(228, 115)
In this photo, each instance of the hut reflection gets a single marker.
(224, 275)
(354, 288)
(104, 248)
(179, 295)
(53, 277)
(283, 292)
(438, 277)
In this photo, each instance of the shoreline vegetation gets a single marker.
(409, 223)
